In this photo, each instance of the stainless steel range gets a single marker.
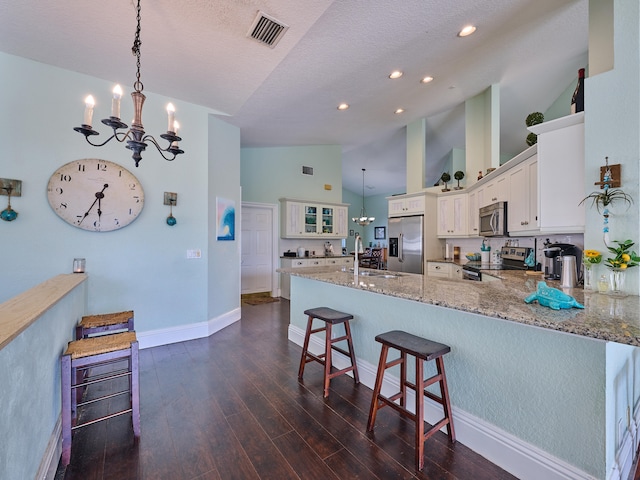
(513, 258)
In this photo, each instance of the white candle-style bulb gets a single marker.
(171, 110)
(89, 102)
(115, 102)
(176, 127)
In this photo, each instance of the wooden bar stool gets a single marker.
(423, 350)
(104, 323)
(104, 350)
(330, 318)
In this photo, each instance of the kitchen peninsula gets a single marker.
(533, 389)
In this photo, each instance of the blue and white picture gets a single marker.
(226, 216)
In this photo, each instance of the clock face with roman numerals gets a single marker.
(95, 195)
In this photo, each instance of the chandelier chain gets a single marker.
(138, 86)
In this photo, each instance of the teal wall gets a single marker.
(142, 266)
(270, 173)
(224, 182)
(31, 392)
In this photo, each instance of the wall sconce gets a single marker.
(10, 187)
(171, 199)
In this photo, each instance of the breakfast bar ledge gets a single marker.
(540, 392)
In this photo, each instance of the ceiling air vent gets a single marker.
(267, 29)
(307, 170)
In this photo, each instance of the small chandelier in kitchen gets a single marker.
(363, 219)
(135, 136)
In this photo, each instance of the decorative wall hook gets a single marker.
(9, 187)
(171, 199)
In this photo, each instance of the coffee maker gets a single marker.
(554, 253)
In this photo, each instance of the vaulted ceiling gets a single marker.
(334, 51)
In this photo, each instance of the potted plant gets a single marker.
(624, 258)
(459, 175)
(533, 119)
(601, 200)
(445, 178)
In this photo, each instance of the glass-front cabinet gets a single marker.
(301, 219)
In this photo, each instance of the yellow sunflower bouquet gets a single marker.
(591, 257)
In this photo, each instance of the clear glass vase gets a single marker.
(616, 282)
(588, 276)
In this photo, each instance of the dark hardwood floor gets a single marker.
(230, 407)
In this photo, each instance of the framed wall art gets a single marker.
(225, 219)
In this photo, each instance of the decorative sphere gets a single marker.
(171, 220)
(8, 215)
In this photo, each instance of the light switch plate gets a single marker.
(194, 253)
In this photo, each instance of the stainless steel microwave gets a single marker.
(493, 220)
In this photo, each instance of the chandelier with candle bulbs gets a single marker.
(134, 136)
(363, 219)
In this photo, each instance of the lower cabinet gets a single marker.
(444, 270)
(296, 262)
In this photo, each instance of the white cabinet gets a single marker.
(300, 219)
(522, 213)
(474, 213)
(339, 261)
(404, 205)
(452, 215)
(561, 174)
(496, 190)
(342, 222)
(444, 270)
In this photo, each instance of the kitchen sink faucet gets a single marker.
(356, 262)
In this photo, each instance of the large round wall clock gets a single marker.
(95, 195)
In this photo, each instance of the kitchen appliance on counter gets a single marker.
(406, 245)
(554, 254)
(493, 220)
(513, 258)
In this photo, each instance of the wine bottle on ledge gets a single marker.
(577, 101)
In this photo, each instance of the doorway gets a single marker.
(258, 256)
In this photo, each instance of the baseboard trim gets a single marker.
(511, 453)
(51, 457)
(183, 333)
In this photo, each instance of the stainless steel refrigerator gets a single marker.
(406, 244)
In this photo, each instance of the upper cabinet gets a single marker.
(522, 209)
(543, 186)
(301, 219)
(404, 205)
(561, 174)
(452, 215)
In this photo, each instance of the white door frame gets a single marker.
(275, 258)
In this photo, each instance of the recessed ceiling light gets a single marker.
(399, 111)
(466, 31)
(427, 79)
(343, 106)
(395, 74)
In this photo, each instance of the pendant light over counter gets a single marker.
(363, 219)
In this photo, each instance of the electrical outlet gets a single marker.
(195, 253)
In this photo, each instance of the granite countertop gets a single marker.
(615, 319)
(320, 256)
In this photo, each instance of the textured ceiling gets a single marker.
(334, 51)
